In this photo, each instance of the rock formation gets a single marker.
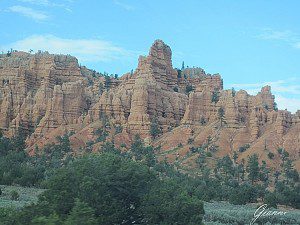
(47, 95)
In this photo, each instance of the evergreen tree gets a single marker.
(253, 168)
(240, 172)
(226, 165)
(221, 114)
(168, 203)
(53, 219)
(101, 88)
(264, 173)
(233, 91)
(290, 173)
(271, 200)
(81, 214)
(155, 129)
(107, 82)
(283, 155)
(188, 89)
(179, 74)
(235, 157)
(137, 147)
(215, 96)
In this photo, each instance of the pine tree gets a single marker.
(155, 129)
(107, 82)
(235, 157)
(221, 114)
(290, 173)
(81, 214)
(264, 173)
(182, 67)
(215, 96)
(53, 219)
(253, 168)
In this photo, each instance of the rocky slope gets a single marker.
(50, 95)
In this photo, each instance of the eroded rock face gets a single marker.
(145, 95)
(33, 86)
(49, 94)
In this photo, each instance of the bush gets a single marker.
(190, 141)
(271, 155)
(209, 154)
(178, 73)
(14, 195)
(244, 148)
(243, 194)
(213, 148)
(215, 96)
(188, 89)
(118, 129)
(102, 134)
(271, 200)
(123, 145)
(202, 121)
(193, 149)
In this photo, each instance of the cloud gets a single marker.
(286, 36)
(297, 45)
(269, 34)
(86, 50)
(29, 12)
(292, 104)
(286, 86)
(287, 92)
(123, 5)
(37, 2)
(47, 3)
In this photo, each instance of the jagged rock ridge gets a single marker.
(48, 95)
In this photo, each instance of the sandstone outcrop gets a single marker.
(47, 95)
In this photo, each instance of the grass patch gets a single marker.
(26, 196)
(221, 213)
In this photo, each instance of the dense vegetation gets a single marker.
(133, 187)
(247, 182)
(107, 188)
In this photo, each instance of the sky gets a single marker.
(250, 43)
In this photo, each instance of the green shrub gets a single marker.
(244, 148)
(118, 129)
(123, 145)
(215, 96)
(188, 89)
(271, 200)
(190, 141)
(14, 195)
(202, 121)
(155, 130)
(209, 154)
(271, 155)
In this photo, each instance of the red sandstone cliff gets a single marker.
(49, 95)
